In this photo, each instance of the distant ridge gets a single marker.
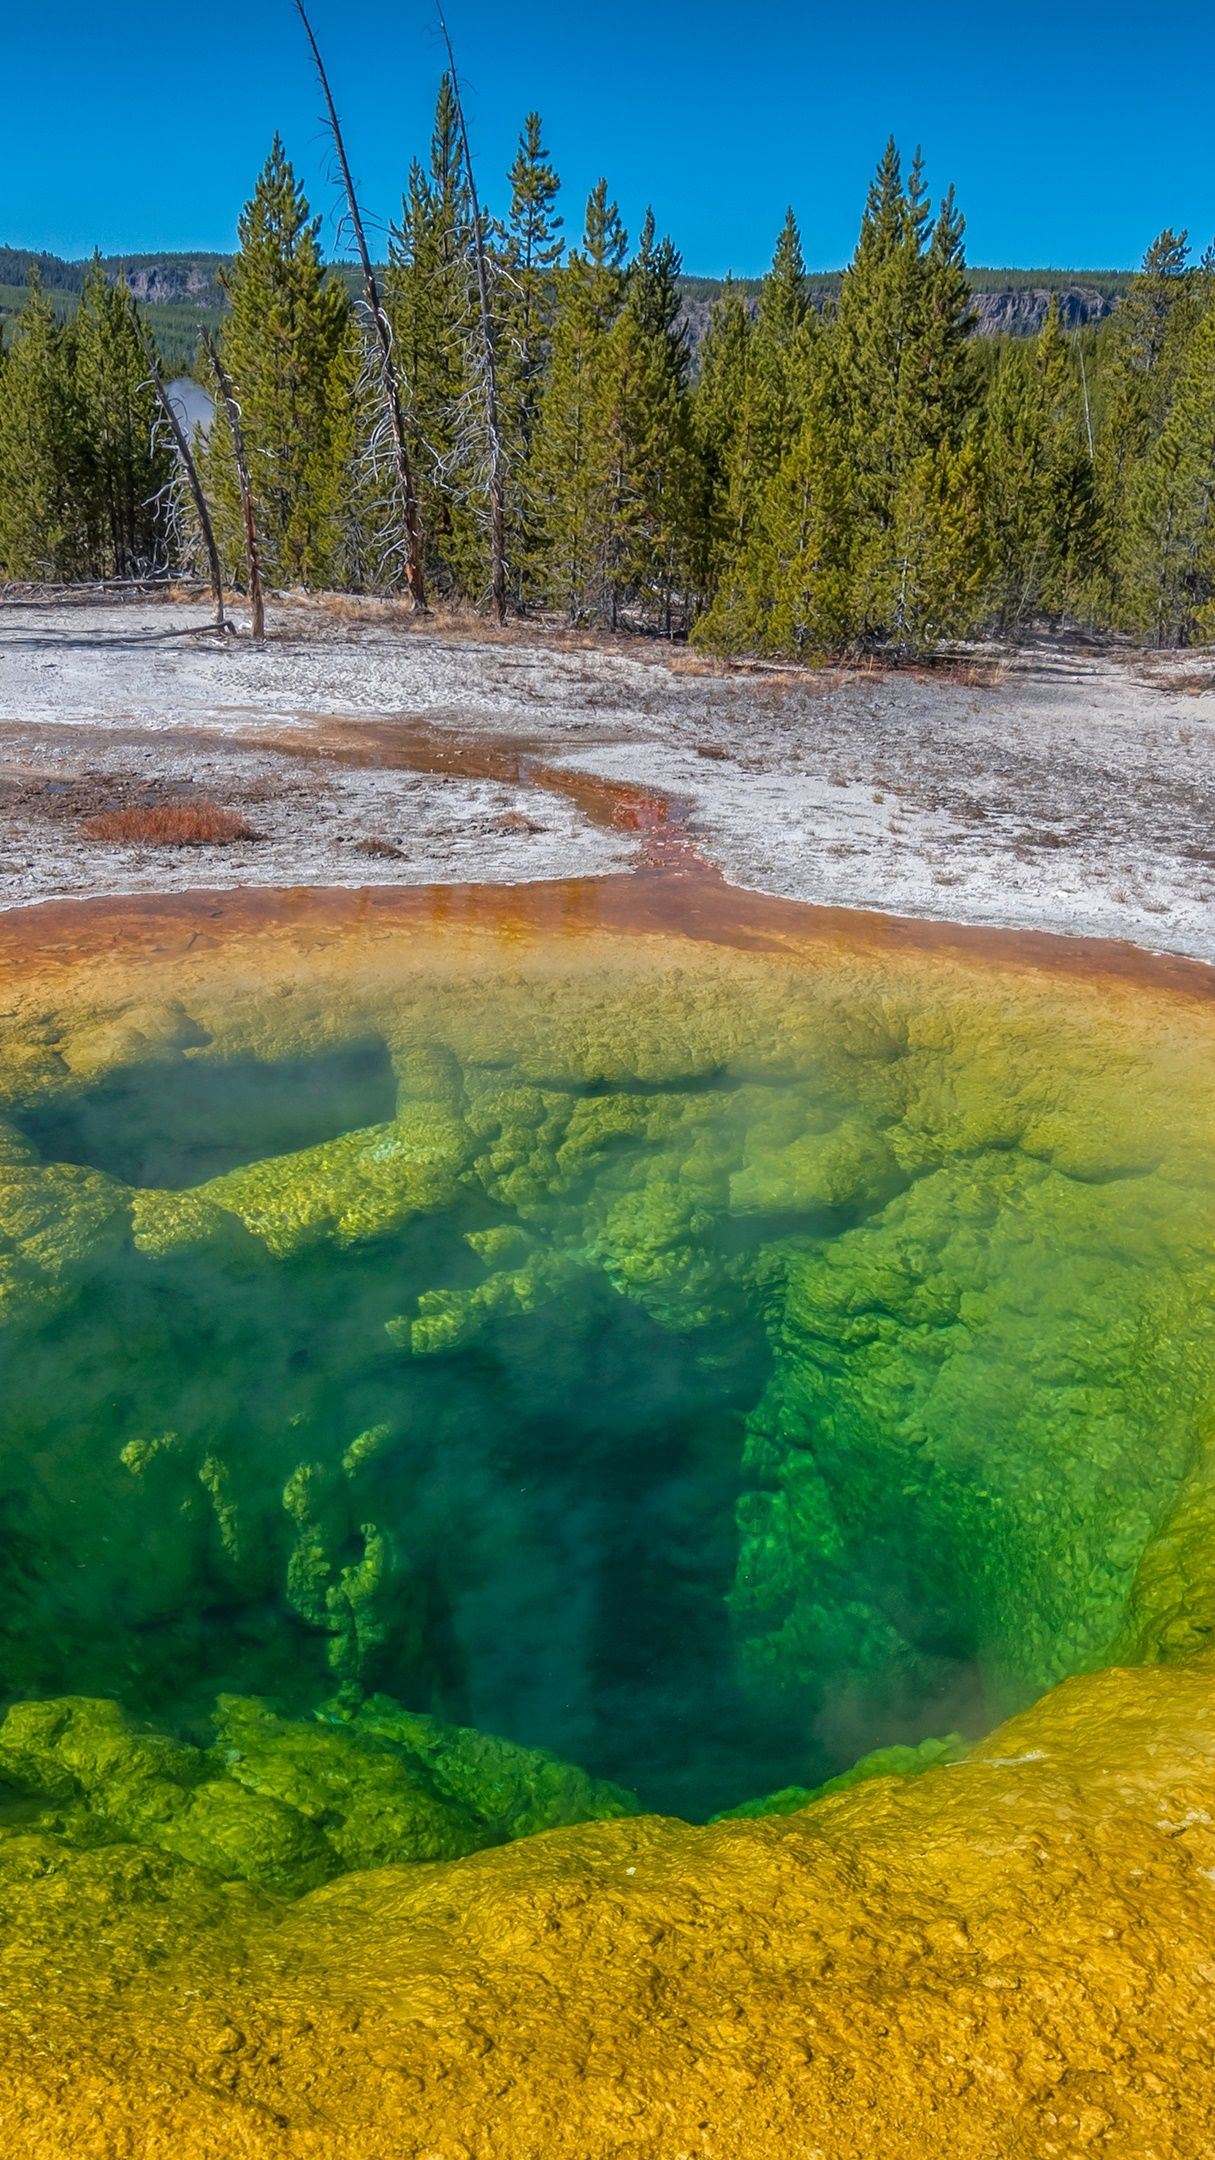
(183, 295)
(1010, 303)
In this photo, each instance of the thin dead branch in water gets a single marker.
(257, 600)
(388, 380)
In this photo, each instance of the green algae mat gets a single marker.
(474, 1364)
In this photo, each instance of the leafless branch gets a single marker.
(488, 357)
(389, 383)
(257, 601)
(189, 467)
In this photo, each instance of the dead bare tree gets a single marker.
(253, 562)
(488, 368)
(388, 379)
(189, 467)
(1088, 414)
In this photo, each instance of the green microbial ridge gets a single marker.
(707, 1388)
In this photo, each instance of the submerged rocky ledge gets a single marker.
(476, 1335)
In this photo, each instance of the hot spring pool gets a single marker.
(476, 1364)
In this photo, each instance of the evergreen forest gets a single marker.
(518, 421)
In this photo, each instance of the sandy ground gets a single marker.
(1069, 789)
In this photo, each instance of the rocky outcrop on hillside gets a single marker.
(1014, 311)
(1021, 313)
(178, 277)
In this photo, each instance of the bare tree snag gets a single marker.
(189, 467)
(390, 386)
(495, 485)
(1088, 414)
(257, 601)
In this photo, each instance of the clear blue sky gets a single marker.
(1072, 130)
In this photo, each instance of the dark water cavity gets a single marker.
(559, 1498)
(175, 1123)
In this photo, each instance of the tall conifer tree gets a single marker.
(773, 393)
(430, 301)
(286, 324)
(43, 456)
(1168, 554)
(794, 594)
(773, 365)
(532, 249)
(647, 364)
(571, 465)
(907, 391)
(1147, 345)
(717, 403)
(1039, 494)
(127, 463)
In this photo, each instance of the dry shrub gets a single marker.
(984, 674)
(796, 678)
(359, 608)
(931, 668)
(374, 844)
(463, 624)
(681, 662)
(171, 825)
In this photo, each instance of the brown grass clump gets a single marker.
(375, 844)
(932, 668)
(682, 662)
(171, 825)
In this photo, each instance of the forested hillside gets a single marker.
(183, 295)
(524, 417)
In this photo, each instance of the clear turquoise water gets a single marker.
(707, 1430)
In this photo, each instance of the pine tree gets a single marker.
(1040, 502)
(350, 481)
(532, 249)
(285, 327)
(571, 468)
(1145, 353)
(647, 362)
(1168, 557)
(128, 465)
(1145, 346)
(907, 391)
(934, 563)
(941, 409)
(716, 405)
(430, 302)
(43, 464)
(773, 365)
(773, 395)
(795, 593)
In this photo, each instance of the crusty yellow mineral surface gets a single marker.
(1009, 1959)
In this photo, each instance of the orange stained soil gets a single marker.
(691, 905)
